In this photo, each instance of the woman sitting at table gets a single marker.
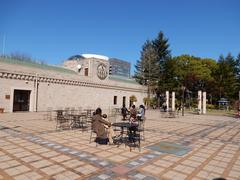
(98, 126)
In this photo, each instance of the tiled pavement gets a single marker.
(30, 148)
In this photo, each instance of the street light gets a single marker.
(183, 90)
(148, 84)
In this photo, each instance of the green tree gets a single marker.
(163, 54)
(151, 67)
(157, 69)
(170, 76)
(146, 67)
(139, 72)
(237, 67)
(194, 73)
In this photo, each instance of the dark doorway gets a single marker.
(86, 71)
(124, 101)
(21, 100)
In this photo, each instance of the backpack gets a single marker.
(101, 140)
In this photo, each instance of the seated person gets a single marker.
(133, 114)
(133, 121)
(98, 124)
(109, 129)
(124, 111)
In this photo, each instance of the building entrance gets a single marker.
(124, 101)
(21, 100)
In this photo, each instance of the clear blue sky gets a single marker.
(54, 30)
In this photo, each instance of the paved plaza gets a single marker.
(31, 148)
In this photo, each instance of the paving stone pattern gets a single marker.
(31, 148)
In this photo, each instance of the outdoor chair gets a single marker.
(141, 126)
(88, 120)
(85, 122)
(67, 112)
(62, 122)
(134, 139)
(92, 133)
(197, 111)
(164, 114)
(72, 110)
(79, 110)
(171, 114)
(48, 115)
(89, 116)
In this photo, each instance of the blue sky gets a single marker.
(53, 30)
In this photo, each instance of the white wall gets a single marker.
(62, 95)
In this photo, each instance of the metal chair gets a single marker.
(134, 139)
(48, 115)
(141, 127)
(62, 122)
(91, 134)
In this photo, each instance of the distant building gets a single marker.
(119, 67)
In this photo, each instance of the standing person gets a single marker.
(98, 125)
(124, 111)
(165, 107)
(179, 108)
(141, 113)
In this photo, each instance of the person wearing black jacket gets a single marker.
(124, 112)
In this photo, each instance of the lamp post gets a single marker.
(148, 84)
(183, 90)
(239, 104)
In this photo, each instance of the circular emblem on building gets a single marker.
(102, 71)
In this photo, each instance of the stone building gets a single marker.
(83, 81)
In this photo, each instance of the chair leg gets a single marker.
(143, 136)
(90, 137)
(139, 148)
(139, 144)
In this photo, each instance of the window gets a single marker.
(86, 71)
(115, 100)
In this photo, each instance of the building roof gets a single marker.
(75, 57)
(31, 68)
(122, 79)
(97, 56)
(36, 65)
